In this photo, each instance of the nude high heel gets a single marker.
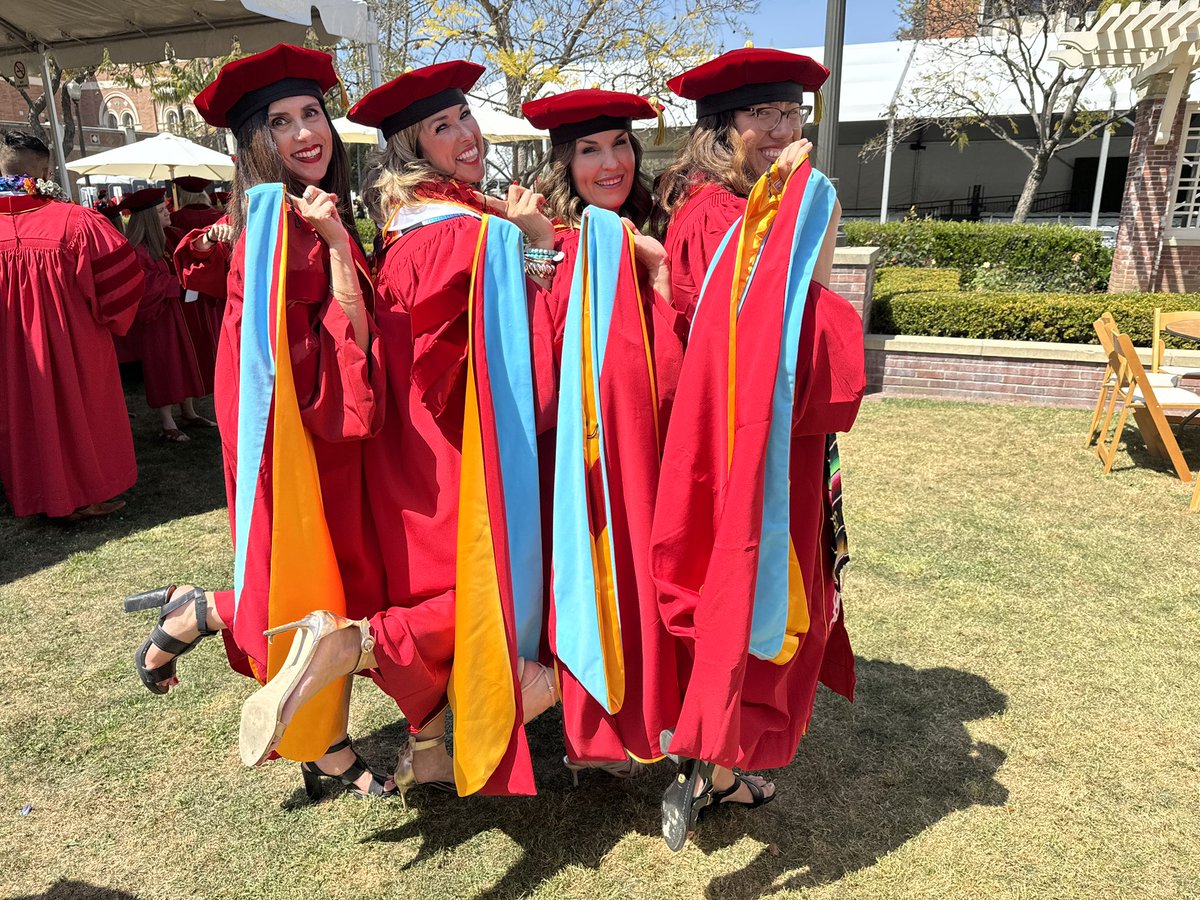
(262, 724)
(406, 778)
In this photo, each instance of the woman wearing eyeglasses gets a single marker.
(747, 541)
(742, 128)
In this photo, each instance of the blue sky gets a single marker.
(801, 23)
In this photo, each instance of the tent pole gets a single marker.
(55, 125)
(1102, 165)
(373, 64)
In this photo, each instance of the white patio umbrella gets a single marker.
(501, 128)
(353, 133)
(162, 157)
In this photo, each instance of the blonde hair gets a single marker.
(145, 228)
(192, 198)
(562, 196)
(395, 172)
(713, 150)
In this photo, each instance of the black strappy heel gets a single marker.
(160, 598)
(313, 774)
(758, 797)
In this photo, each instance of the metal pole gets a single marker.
(827, 131)
(1103, 164)
(887, 170)
(373, 64)
(55, 125)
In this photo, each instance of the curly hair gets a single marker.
(562, 197)
(395, 172)
(714, 150)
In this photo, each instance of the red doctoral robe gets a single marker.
(68, 283)
(340, 389)
(739, 709)
(693, 236)
(202, 313)
(652, 697)
(414, 465)
(170, 366)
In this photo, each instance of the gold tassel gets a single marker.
(660, 135)
(345, 96)
(749, 45)
(818, 107)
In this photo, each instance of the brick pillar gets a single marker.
(1147, 195)
(854, 278)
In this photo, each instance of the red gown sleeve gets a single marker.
(205, 272)
(549, 317)
(161, 286)
(693, 237)
(831, 374)
(340, 386)
(106, 271)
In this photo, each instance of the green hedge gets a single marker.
(366, 232)
(1062, 318)
(992, 257)
(894, 280)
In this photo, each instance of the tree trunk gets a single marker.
(1033, 182)
(68, 119)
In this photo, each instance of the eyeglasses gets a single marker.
(768, 117)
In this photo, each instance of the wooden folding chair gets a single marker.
(1151, 407)
(1105, 326)
(1161, 321)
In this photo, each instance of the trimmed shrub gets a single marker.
(992, 257)
(366, 232)
(1061, 318)
(895, 280)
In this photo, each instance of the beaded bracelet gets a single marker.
(539, 254)
(539, 268)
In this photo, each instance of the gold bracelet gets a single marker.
(352, 296)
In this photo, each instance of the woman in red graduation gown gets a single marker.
(740, 708)
(202, 312)
(595, 161)
(170, 364)
(273, 102)
(421, 187)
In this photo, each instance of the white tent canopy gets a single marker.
(353, 133)
(137, 30)
(159, 158)
(498, 127)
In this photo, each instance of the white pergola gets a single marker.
(1154, 39)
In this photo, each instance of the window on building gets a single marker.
(189, 118)
(172, 118)
(1185, 211)
(110, 120)
(127, 120)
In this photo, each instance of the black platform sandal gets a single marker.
(681, 805)
(160, 598)
(313, 774)
(758, 797)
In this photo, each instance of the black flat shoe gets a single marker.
(160, 598)
(313, 774)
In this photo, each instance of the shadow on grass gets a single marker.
(174, 480)
(78, 890)
(868, 778)
(1140, 458)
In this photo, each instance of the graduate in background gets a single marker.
(194, 208)
(68, 283)
(171, 368)
(748, 541)
(618, 671)
(201, 311)
(273, 103)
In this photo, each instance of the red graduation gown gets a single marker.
(170, 366)
(68, 283)
(739, 709)
(652, 698)
(340, 390)
(693, 236)
(202, 315)
(194, 216)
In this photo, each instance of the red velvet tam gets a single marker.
(143, 199)
(193, 184)
(415, 95)
(246, 86)
(575, 114)
(741, 78)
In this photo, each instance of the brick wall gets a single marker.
(1180, 268)
(854, 277)
(1145, 201)
(898, 367)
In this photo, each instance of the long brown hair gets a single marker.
(562, 196)
(259, 162)
(144, 227)
(714, 151)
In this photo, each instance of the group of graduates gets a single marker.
(555, 460)
(83, 291)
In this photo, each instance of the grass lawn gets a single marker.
(1027, 634)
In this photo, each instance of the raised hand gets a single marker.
(319, 209)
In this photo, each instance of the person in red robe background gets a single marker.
(595, 160)
(273, 102)
(68, 283)
(171, 368)
(752, 713)
(202, 312)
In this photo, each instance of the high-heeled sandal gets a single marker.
(758, 797)
(542, 682)
(621, 768)
(406, 778)
(681, 803)
(160, 598)
(313, 774)
(262, 725)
